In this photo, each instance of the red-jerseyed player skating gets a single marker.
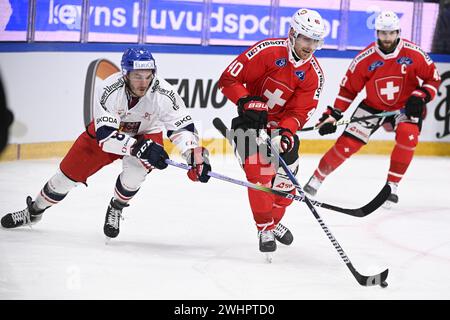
(389, 69)
(276, 84)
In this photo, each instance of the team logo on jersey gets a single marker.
(375, 65)
(300, 75)
(389, 89)
(131, 128)
(276, 93)
(281, 62)
(404, 60)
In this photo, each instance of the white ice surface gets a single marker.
(181, 240)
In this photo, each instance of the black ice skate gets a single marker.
(393, 197)
(27, 216)
(267, 241)
(283, 235)
(112, 218)
(267, 244)
(312, 186)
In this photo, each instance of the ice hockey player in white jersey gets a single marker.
(132, 108)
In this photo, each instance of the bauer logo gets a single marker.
(144, 64)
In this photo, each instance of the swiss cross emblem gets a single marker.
(389, 89)
(276, 93)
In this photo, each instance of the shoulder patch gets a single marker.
(264, 45)
(300, 74)
(404, 60)
(375, 65)
(361, 57)
(280, 62)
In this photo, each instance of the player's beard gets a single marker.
(387, 46)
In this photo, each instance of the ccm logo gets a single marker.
(107, 119)
(185, 119)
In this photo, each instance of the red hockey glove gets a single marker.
(253, 110)
(198, 159)
(328, 120)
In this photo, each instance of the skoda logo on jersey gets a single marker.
(281, 62)
(300, 75)
(404, 60)
(375, 65)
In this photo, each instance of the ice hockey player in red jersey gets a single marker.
(389, 70)
(132, 108)
(276, 85)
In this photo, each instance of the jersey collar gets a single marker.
(292, 60)
(391, 55)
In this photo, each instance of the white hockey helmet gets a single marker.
(387, 21)
(308, 23)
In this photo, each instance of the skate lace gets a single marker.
(266, 235)
(113, 217)
(22, 216)
(280, 230)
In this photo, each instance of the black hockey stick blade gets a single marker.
(368, 281)
(373, 205)
(220, 126)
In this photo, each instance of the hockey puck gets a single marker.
(384, 284)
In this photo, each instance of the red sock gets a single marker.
(344, 147)
(407, 137)
(279, 207)
(261, 172)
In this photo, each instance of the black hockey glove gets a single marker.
(253, 110)
(414, 107)
(329, 127)
(198, 159)
(150, 151)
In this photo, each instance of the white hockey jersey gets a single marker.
(161, 108)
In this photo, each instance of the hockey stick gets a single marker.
(360, 212)
(378, 279)
(367, 209)
(347, 121)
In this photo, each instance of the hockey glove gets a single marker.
(328, 121)
(284, 139)
(150, 151)
(253, 110)
(198, 159)
(414, 107)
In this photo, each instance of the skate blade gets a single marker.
(107, 240)
(268, 256)
(387, 205)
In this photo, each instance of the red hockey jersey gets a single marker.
(389, 78)
(267, 69)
